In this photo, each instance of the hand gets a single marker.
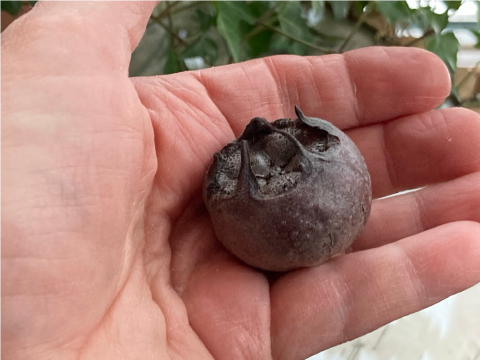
(108, 251)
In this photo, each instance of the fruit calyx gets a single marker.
(270, 159)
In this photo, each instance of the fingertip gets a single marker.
(436, 72)
(448, 258)
(417, 79)
(460, 239)
(132, 16)
(465, 115)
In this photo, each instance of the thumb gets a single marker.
(75, 37)
(77, 159)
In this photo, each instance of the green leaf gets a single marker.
(446, 46)
(478, 14)
(258, 8)
(204, 47)
(420, 20)
(393, 11)
(360, 5)
(452, 4)
(229, 16)
(12, 7)
(298, 49)
(438, 22)
(328, 40)
(283, 45)
(172, 65)
(476, 33)
(340, 9)
(291, 21)
(205, 20)
(259, 44)
(317, 8)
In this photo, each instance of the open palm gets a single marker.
(108, 251)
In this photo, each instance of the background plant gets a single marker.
(212, 33)
(14, 7)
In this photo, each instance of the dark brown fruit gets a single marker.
(288, 194)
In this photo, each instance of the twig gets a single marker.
(170, 26)
(166, 11)
(467, 76)
(269, 12)
(258, 28)
(258, 24)
(170, 31)
(186, 7)
(300, 41)
(355, 28)
(425, 35)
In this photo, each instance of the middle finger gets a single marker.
(419, 150)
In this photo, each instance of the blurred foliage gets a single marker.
(261, 28)
(14, 7)
(222, 32)
(212, 33)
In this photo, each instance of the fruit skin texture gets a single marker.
(288, 194)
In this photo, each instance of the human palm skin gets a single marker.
(107, 249)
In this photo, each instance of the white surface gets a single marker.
(449, 330)
(466, 13)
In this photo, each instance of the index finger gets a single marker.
(360, 87)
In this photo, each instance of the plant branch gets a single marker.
(471, 72)
(170, 32)
(425, 35)
(269, 13)
(462, 82)
(258, 24)
(258, 28)
(170, 24)
(171, 9)
(356, 27)
(300, 41)
(186, 7)
(170, 28)
(165, 12)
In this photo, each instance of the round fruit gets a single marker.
(288, 194)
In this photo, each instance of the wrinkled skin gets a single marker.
(107, 249)
(288, 194)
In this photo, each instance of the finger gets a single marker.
(130, 17)
(69, 37)
(314, 309)
(421, 149)
(361, 87)
(185, 106)
(405, 215)
(228, 307)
